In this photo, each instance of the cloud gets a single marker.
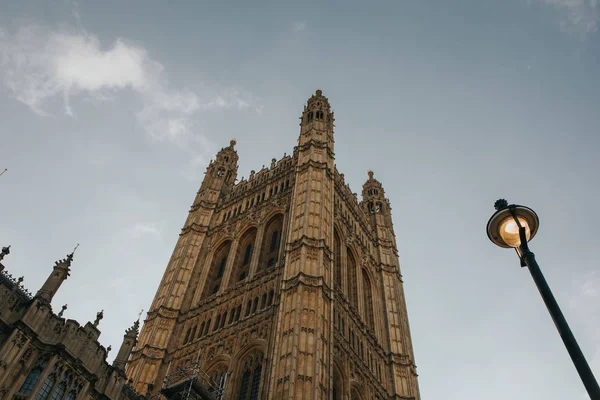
(299, 26)
(580, 17)
(142, 229)
(41, 66)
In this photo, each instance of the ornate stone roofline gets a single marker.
(16, 285)
(260, 179)
(222, 205)
(353, 204)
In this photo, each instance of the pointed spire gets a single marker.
(59, 274)
(129, 342)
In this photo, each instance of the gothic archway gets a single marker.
(217, 269)
(269, 253)
(368, 300)
(243, 258)
(249, 376)
(217, 376)
(338, 384)
(355, 394)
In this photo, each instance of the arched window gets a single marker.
(44, 392)
(221, 269)
(338, 384)
(271, 295)
(207, 327)
(352, 276)
(249, 388)
(201, 331)
(263, 301)
(271, 242)
(218, 376)
(337, 260)
(223, 318)
(368, 299)
(217, 322)
(187, 335)
(60, 390)
(217, 269)
(247, 253)
(241, 266)
(33, 377)
(193, 335)
(354, 395)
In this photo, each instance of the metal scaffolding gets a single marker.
(191, 382)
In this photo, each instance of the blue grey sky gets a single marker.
(111, 111)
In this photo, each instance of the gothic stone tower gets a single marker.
(283, 286)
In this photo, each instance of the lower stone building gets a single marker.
(44, 356)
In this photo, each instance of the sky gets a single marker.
(110, 112)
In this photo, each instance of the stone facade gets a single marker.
(45, 356)
(284, 285)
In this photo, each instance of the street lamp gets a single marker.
(514, 226)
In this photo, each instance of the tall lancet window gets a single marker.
(337, 260)
(352, 277)
(249, 386)
(218, 377)
(217, 269)
(241, 266)
(368, 299)
(269, 254)
(33, 377)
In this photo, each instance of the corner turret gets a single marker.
(129, 342)
(317, 119)
(374, 202)
(59, 274)
(222, 172)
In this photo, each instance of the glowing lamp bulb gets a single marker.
(509, 231)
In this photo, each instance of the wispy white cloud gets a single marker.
(579, 17)
(143, 229)
(42, 67)
(299, 26)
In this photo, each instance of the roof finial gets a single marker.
(140, 315)
(232, 142)
(62, 311)
(5, 252)
(319, 92)
(99, 316)
(500, 204)
(2, 173)
(370, 173)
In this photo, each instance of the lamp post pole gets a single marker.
(513, 226)
(584, 370)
